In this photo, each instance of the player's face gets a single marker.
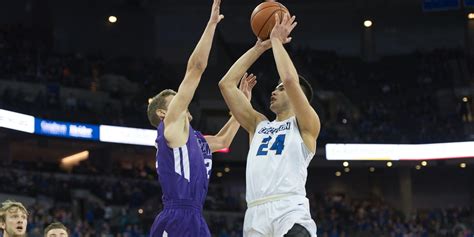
(57, 233)
(168, 101)
(279, 100)
(15, 222)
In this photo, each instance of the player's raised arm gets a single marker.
(235, 99)
(308, 120)
(197, 63)
(224, 137)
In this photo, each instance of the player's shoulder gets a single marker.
(199, 135)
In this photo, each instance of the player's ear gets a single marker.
(2, 225)
(161, 113)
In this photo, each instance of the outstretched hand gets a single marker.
(265, 45)
(246, 85)
(283, 28)
(216, 15)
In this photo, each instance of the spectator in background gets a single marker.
(13, 218)
(56, 229)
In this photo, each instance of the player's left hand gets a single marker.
(246, 85)
(283, 28)
(216, 15)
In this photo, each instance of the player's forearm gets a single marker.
(286, 68)
(232, 77)
(228, 132)
(185, 94)
(199, 58)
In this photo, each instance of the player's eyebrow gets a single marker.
(279, 87)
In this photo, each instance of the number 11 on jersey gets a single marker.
(277, 146)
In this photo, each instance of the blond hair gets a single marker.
(158, 102)
(7, 206)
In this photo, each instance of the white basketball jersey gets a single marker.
(277, 161)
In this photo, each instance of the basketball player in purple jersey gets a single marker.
(183, 157)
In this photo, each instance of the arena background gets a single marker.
(407, 79)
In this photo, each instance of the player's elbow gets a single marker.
(225, 141)
(224, 84)
(196, 65)
(220, 144)
(225, 144)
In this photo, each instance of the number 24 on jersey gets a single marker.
(278, 145)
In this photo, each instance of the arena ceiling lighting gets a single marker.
(75, 159)
(112, 19)
(367, 23)
(470, 16)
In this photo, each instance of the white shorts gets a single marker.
(275, 218)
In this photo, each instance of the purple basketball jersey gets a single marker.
(184, 171)
(184, 177)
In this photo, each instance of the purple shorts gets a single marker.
(180, 219)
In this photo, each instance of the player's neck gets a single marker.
(284, 115)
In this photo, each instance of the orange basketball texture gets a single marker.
(263, 18)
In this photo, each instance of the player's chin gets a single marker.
(272, 107)
(20, 232)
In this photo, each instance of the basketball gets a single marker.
(263, 18)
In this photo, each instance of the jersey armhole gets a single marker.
(308, 154)
(185, 142)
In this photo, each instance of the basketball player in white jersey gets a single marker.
(280, 150)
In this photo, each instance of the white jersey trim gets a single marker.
(177, 161)
(267, 199)
(181, 154)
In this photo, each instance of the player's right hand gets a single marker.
(283, 28)
(216, 15)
